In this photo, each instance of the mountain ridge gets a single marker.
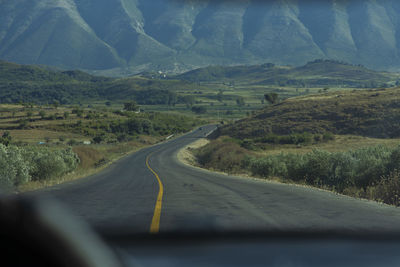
(121, 37)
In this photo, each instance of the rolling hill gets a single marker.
(42, 84)
(38, 84)
(317, 73)
(372, 113)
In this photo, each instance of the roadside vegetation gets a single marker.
(284, 108)
(367, 172)
(42, 145)
(20, 165)
(348, 144)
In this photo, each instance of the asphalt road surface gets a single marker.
(167, 195)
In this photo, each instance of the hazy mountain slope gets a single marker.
(177, 35)
(274, 40)
(328, 24)
(49, 32)
(120, 24)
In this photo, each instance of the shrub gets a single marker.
(367, 172)
(98, 139)
(268, 167)
(23, 124)
(388, 189)
(371, 164)
(225, 156)
(48, 164)
(72, 142)
(295, 165)
(318, 167)
(6, 138)
(295, 138)
(20, 165)
(394, 160)
(14, 170)
(199, 109)
(328, 136)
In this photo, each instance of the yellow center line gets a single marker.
(155, 222)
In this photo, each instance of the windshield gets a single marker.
(204, 116)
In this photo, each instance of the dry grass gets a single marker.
(372, 113)
(186, 155)
(38, 135)
(89, 156)
(341, 143)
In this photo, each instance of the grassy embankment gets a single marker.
(49, 129)
(345, 141)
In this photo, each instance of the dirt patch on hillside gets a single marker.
(186, 156)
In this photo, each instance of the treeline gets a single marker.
(19, 165)
(33, 84)
(124, 129)
(70, 93)
(370, 172)
(275, 139)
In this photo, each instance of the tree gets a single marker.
(66, 115)
(220, 96)
(42, 114)
(189, 100)
(199, 109)
(5, 139)
(78, 112)
(56, 104)
(272, 98)
(29, 114)
(131, 106)
(240, 101)
(23, 124)
(98, 139)
(172, 99)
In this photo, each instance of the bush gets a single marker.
(340, 170)
(21, 165)
(224, 156)
(72, 142)
(394, 160)
(48, 164)
(295, 138)
(318, 167)
(14, 170)
(372, 163)
(268, 167)
(199, 109)
(388, 189)
(6, 138)
(328, 136)
(367, 172)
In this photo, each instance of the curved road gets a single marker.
(124, 196)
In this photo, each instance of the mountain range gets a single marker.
(121, 37)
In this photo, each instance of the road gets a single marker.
(124, 197)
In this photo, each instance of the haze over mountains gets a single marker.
(127, 36)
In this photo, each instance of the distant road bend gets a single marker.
(151, 190)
